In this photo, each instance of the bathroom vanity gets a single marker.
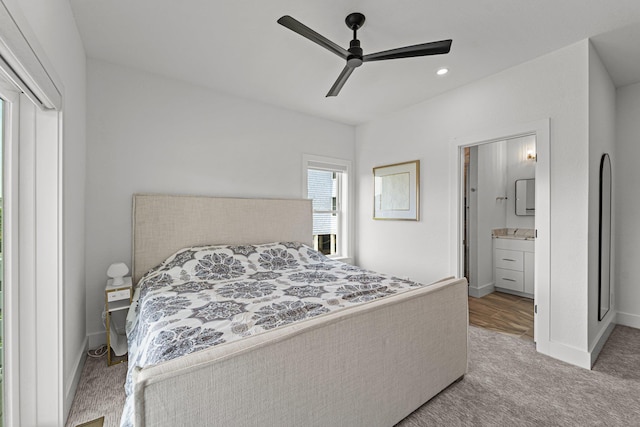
(514, 260)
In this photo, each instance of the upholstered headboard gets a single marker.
(164, 224)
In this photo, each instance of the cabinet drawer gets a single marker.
(118, 295)
(511, 260)
(509, 279)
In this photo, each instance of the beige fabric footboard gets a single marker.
(371, 365)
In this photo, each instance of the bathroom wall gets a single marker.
(519, 167)
(491, 210)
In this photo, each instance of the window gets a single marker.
(327, 184)
(323, 187)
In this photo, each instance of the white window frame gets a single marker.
(344, 202)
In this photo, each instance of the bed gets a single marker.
(367, 352)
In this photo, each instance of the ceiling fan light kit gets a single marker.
(354, 55)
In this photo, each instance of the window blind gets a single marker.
(311, 164)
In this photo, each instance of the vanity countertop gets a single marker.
(513, 233)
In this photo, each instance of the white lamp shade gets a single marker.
(117, 271)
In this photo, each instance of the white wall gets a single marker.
(151, 134)
(53, 24)
(626, 176)
(518, 167)
(554, 86)
(602, 122)
(492, 182)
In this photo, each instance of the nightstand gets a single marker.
(117, 299)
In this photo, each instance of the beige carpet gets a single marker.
(508, 384)
(100, 393)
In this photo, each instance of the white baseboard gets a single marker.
(509, 291)
(626, 319)
(481, 291)
(602, 339)
(565, 353)
(586, 359)
(70, 392)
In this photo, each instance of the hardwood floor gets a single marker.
(506, 313)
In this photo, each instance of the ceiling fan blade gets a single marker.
(342, 79)
(308, 33)
(433, 48)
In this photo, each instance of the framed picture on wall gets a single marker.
(396, 191)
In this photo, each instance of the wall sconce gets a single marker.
(531, 155)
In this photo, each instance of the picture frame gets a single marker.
(396, 191)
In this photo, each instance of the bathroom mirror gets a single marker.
(604, 262)
(525, 197)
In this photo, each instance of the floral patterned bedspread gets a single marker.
(205, 296)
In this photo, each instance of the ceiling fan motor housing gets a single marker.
(355, 58)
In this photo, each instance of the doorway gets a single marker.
(499, 201)
(499, 233)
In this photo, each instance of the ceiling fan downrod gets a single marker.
(354, 21)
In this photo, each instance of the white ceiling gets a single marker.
(236, 46)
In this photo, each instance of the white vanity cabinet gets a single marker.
(513, 265)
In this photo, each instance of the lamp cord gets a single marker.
(98, 352)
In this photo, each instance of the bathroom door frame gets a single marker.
(542, 219)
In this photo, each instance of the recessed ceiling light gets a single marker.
(442, 71)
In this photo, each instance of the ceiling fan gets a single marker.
(353, 55)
